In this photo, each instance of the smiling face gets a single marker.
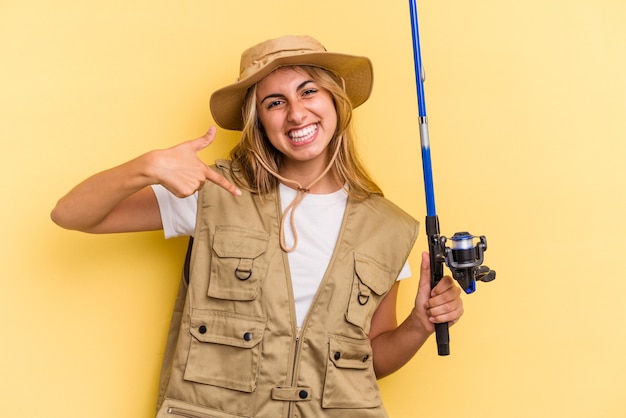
(298, 116)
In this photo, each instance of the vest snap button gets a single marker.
(247, 336)
(303, 394)
(337, 355)
(202, 329)
(365, 357)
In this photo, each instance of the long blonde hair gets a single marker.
(347, 168)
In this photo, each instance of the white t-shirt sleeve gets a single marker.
(405, 273)
(178, 215)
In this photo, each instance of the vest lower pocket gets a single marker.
(176, 409)
(350, 379)
(225, 349)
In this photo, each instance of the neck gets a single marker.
(315, 176)
(325, 185)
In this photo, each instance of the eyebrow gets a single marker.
(275, 95)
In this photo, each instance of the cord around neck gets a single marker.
(301, 192)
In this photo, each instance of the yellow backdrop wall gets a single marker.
(526, 102)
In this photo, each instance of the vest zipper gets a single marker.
(292, 308)
(185, 413)
(299, 330)
(294, 367)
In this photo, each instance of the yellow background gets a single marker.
(526, 103)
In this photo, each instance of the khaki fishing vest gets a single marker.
(235, 350)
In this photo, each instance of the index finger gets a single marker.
(444, 284)
(221, 181)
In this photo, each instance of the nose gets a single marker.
(297, 112)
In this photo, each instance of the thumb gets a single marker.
(424, 283)
(204, 141)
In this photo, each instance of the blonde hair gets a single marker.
(347, 168)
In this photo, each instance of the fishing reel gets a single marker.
(464, 259)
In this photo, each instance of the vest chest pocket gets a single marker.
(350, 379)
(225, 349)
(239, 263)
(370, 283)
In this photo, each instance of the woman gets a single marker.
(290, 309)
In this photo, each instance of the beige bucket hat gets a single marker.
(260, 60)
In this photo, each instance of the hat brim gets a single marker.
(226, 103)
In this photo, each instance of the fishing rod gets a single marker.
(465, 258)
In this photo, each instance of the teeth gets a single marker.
(303, 134)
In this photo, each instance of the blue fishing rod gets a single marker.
(465, 258)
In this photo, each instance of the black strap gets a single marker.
(187, 261)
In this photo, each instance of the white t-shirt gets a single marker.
(318, 222)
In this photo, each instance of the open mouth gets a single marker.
(304, 134)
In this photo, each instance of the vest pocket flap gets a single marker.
(237, 242)
(372, 274)
(227, 328)
(348, 353)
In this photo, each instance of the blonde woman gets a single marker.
(297, 256)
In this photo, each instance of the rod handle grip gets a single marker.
(443, 339)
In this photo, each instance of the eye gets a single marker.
(274, 103)
(309, 92)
